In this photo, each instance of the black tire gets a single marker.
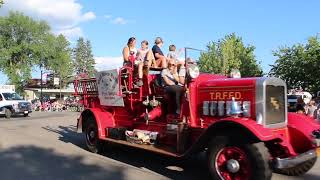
(93, 142)
(25, 114)
(299, 169)
(8, 113)
(255, 161)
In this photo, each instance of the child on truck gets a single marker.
(174, 55)
(144, 54)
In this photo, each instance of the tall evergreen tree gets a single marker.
(83, 57)
(89, 59)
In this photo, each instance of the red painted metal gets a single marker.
(262, 133)
(153, 114)
(291, 140)
(238, 155)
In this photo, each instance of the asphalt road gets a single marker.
(45, 146)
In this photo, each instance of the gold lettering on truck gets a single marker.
(225, 95)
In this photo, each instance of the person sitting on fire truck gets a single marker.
(129, 54)
(161, 60)
(145, 54)
(171, 82)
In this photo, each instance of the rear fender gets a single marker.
(102, 118)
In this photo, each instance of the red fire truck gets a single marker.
(241, 123)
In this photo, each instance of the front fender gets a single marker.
(260, 132)
(248, 131)
(304, 125)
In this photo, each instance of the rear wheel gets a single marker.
(93, 142)
(8, 113)
(231, 161)
(299, 169)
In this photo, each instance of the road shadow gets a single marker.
(34, 163)
(68, 134)
(193, 168)
(190, 169)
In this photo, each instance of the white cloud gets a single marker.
(119, 20)
(71, 33)
(107, 16)
(105, 63)
(88, 16)
(60, 14)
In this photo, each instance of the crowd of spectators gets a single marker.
(311, 109)
(69, 104)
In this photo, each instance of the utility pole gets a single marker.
(41, 85)
(60, 84)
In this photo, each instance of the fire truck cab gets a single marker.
(242, 123)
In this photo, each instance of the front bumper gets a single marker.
(294, 161)
(22, 111)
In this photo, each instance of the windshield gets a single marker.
(12, 96)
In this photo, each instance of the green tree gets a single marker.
(61, 62)
(227, 54)
(1, 3)
(83, 57)
(299, 65)
(22, 41)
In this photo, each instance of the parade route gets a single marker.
(45, 146)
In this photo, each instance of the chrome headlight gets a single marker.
(193, 71)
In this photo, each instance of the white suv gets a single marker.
(13, 103)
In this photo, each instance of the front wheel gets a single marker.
(93, 142)
(8, 113)
(231, 161)
(25, 114)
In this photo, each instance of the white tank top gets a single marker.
(133, 51)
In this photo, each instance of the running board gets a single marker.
(163, 150)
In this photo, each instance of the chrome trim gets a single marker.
(261, 84)
(294, 161)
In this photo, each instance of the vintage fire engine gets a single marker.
(242, 123)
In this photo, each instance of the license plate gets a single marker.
(26, 112)
(318, 151)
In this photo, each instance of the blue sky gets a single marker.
(108, 24)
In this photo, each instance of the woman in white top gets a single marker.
(129, 52)
(130, 49)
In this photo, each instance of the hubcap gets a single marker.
(232, 163)
(233, 166)
(91, 135)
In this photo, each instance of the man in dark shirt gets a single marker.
(161, 60)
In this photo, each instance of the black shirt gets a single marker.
(156, 49)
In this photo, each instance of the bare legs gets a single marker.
(162, 62)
